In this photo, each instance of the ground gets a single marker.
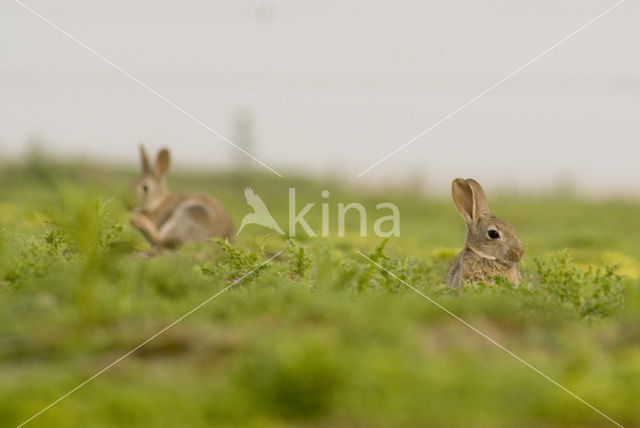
(318, 336)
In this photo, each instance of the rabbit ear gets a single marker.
(162, 163)
(463, 198)
(479, 199)
(144, 160)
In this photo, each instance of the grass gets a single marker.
(319, 336)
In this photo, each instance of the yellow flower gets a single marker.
(627, 265)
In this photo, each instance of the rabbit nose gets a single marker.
(516, 254)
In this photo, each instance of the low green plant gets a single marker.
(319, 336)
(297, 381)
(234, 261)
(592, 293)
(300, 259)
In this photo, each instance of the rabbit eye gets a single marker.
(493, 234)
(145, 188)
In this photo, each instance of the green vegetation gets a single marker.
(319, 336)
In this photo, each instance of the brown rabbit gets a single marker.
(168, 220)
(492, 246)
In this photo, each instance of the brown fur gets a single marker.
(168, 220)
(483, 257)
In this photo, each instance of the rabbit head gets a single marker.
(487, 235)
(151, 187)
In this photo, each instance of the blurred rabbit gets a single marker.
(168, 220)
(492, 246)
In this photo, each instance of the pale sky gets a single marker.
(333, 86)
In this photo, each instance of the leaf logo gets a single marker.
(260, 214)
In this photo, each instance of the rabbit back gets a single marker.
(192, 217)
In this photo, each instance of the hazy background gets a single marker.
(330, 87)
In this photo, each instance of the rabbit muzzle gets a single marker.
(514, 255)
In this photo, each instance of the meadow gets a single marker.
(318, 336)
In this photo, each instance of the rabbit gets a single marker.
(492, 247)
(168, 220)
